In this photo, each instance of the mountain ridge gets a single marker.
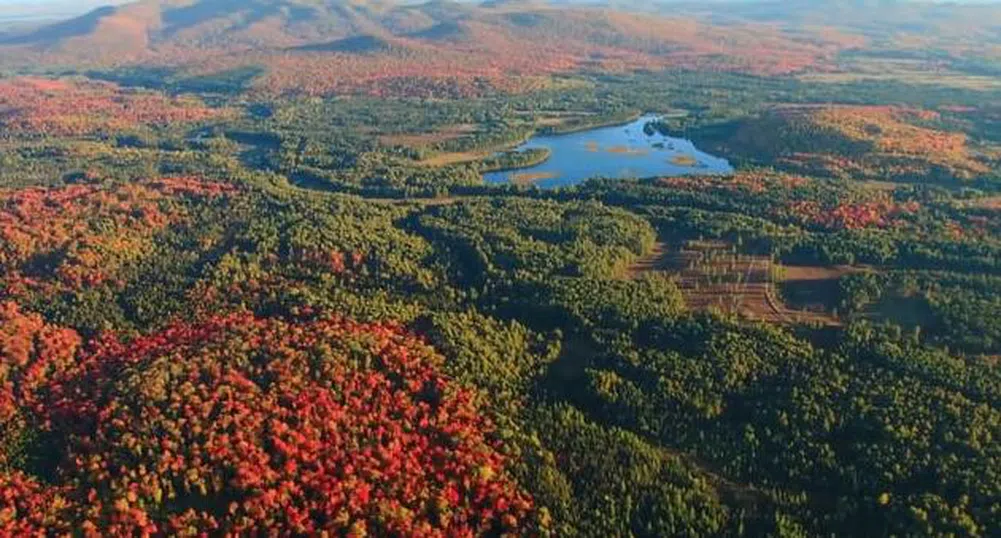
(333, 46)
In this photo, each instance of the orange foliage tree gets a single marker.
(78, 107)
(81, 234)
(866, 142)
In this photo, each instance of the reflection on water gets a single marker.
(618, 152)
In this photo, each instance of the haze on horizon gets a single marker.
(61, 8)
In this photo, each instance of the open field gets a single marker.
(812, 288)
(419, 140)
(959, 81)
(445, 159)
(906, 71)
(711, 276)
(807, 273)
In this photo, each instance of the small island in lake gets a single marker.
(611, 151)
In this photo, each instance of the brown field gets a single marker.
(903, 70)
(657, 259)
(556, 113)
(445, 159)
(960, 81)
(553, 118)
(419, 140)
(419, 202)
(793, 273)
(711, 276)
(812, 288)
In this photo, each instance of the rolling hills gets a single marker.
(902, 144)
(367, 46)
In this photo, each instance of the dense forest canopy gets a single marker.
(253, 281)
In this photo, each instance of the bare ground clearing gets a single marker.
(710, 275)
(417, 140)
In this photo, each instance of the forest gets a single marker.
(237, 303)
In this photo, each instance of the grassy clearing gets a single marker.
(445, 159)
(420, 140)
(906, 71)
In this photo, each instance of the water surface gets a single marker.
(620, 151)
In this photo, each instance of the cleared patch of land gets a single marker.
(658, 259)
(418, 140)
(711, 275)
(419, 202)
(907, 71)
(445, 159)
(554, 118)
(796, 273)
(812, 288)
(556, 113)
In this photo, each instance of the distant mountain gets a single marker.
(152, 25)
(328, 46)
(48, 10)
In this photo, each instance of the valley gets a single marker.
(497, 269)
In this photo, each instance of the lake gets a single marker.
(621, 151)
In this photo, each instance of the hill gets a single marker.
(385, 439)
(344, 46)
(903, 144)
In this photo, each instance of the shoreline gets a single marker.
(548, 131)
(545, 155)
(608, 122)
(545, 131)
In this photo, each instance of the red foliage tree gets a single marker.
(31, 353)
(240, 425)
(88, 231)
(76, 107)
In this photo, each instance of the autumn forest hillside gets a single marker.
(366, 268)
(371, 46)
